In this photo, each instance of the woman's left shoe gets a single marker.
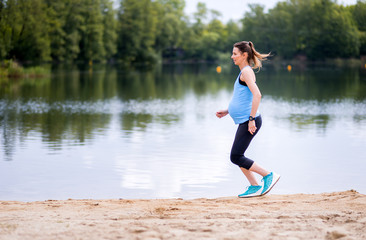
(252, 191)
(269, 181)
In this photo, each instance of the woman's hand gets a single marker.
(221, 113)
(251, 127)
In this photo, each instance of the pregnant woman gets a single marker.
(243, 109)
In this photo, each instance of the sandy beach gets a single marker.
(338, 215)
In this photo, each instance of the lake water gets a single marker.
(153, 133)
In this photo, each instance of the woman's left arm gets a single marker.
(249, 78)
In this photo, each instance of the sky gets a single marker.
(235, 9)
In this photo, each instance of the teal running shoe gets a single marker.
(269, 181)
(252, 191)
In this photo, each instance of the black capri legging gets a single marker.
(241, 143)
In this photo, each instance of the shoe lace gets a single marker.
(264, 180)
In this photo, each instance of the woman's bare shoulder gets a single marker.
(247, 73)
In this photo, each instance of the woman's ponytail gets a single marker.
(257, 57)
(254, 58)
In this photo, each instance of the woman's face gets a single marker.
(238, 57)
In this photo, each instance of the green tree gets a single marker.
(255, 27)
(110, 28)
(148, 30)
(212, 39)
(281, 17)
(24, 30)
(66, 21)
(5, 31)
(196, 33)
(82, 29)
(331, 33)
(91, 32)
(315, 28)
(137, 30)
(232, 37)
(358, 12)
(170, 26)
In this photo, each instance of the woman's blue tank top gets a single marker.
(241, 102)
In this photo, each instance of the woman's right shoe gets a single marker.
(252, 191)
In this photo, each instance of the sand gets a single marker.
(338, 215)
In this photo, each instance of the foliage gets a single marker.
(137, 30)
(12, 69)
(82, 30)
(358, 12)
(109, 28)
(151, 30)
(23, 35)
(170, 25)
(317, 29)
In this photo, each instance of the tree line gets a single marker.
(152, 30)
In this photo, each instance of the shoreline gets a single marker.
(336, 215)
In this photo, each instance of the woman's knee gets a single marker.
(235, 158)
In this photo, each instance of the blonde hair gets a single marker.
(254, 58)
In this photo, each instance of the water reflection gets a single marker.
(154, 134)
(302, 121)
(329, 84)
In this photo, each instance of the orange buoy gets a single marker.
(289, 68)
(218, 69)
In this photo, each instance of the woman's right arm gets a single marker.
(222, 113)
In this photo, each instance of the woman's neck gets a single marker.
(243, 65)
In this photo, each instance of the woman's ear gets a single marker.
(245, 55)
